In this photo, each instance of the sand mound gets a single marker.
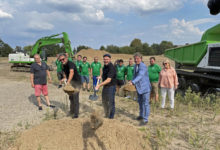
(77, 134)
(91, 53)
(128, 87)
(69, 89)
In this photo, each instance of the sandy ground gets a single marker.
(18, 105)
(184, 128)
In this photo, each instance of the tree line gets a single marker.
(135, 46)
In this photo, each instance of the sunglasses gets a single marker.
(165, 63)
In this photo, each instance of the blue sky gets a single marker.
(104, 22)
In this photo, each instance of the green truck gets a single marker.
(198, 65)
(21, 61)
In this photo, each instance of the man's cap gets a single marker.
(107, 55)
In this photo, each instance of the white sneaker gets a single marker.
(128, 96)
(134, 98)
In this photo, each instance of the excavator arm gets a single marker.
(49, 40)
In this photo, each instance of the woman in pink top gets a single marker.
(168, 83)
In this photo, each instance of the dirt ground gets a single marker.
(184, 128)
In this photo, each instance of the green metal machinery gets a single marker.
(198, 64)
(22, 61)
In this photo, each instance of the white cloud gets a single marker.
(182, 31)
(95, 9)
(40, 26)
(201, 1)
(5, 14)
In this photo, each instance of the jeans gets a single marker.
(144, 106)
(74, 104)
(171, 93)
(74, 99)
(108, 101)
(94, 78)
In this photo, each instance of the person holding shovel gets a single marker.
(142, 84)
(73, 78)
(109, 87)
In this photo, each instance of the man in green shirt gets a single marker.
(96, 69)
(130, 73)
(120, 76)
(59, 71)
(154, 71)
(130, 70)
(77, 63)
(85, 69)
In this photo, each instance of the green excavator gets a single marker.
(22, 61)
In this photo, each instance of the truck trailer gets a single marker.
(198, 65)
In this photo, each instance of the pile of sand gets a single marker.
(91, 53)
(129, 87)
(69, 89)
(77, 134)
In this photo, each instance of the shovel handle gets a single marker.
(97, 82)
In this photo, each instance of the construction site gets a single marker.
(23, 127)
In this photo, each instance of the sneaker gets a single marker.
(128, 96)
(139, 118)
(75, 116)
(52, 106)
(143, 123)
(135, 99)
(59, 86)
(40, 108)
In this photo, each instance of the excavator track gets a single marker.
(20, 68)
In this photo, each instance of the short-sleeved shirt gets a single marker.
(96, 68)
(40, 73)
(84, 68)
(109, 71)
(154, 71)
(77, 63)
(120, 72)
(130, 72)
(66, 69)
(59, 65)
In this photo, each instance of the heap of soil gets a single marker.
(91, 53)
(130, 88)
(77, 134)
(69, 89)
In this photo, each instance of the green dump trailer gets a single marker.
(198, 65)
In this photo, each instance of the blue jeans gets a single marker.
(94, 78)
(108, 101)
(144, 106)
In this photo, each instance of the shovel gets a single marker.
(94, 97)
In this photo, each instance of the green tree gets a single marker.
(28, 49)
(165, 45)
(80, 47)
(112, 49)
(137, 45)
(147, 50)
(155, 48)
(5, 49)
(126, 50)
(102, 47)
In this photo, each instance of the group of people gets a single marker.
(145, 79)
